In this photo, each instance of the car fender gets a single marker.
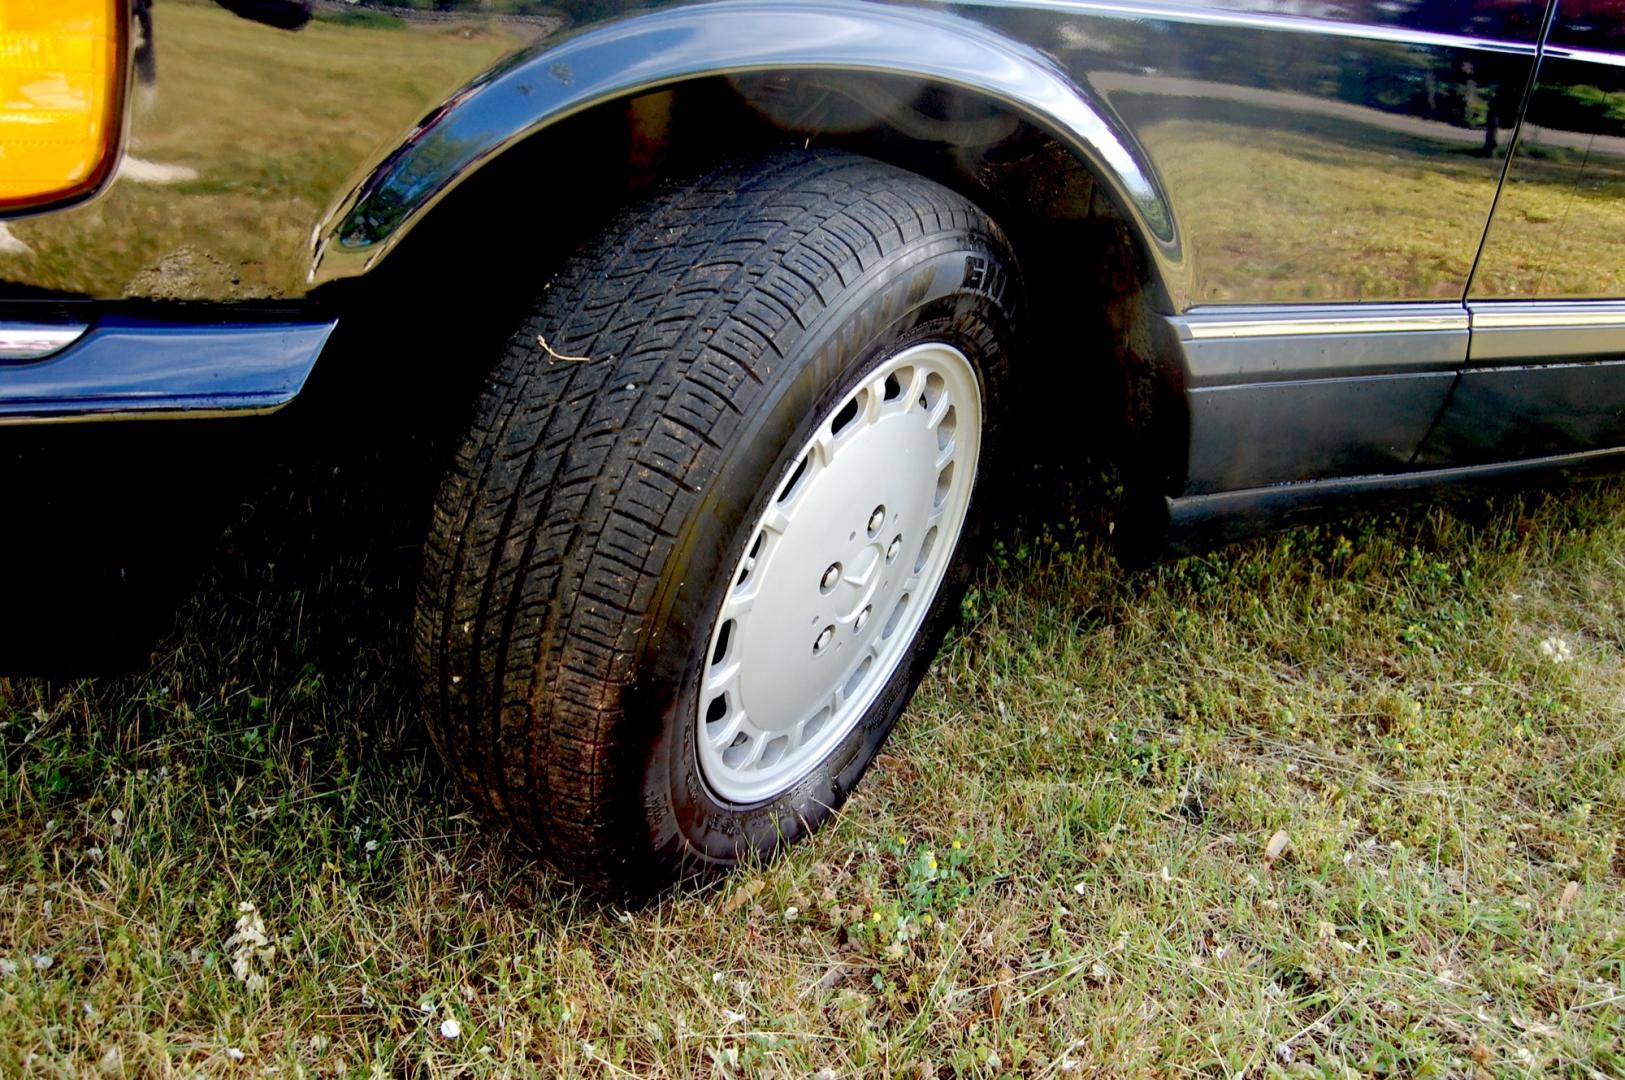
(561, 77)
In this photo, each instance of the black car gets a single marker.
(742, 307)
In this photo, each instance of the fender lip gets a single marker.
(561, 77)
(127, 368)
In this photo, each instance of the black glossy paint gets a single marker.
(1222, 129)
(1557, 231)
(1345, 154)
(1556, 235)
(1268, 433)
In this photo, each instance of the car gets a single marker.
(741, 311)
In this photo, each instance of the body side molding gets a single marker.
(126, 368)
(36, 340)
(560, 78)
(1288, 394)
(1507, 331)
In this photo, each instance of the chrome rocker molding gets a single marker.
(126, 368)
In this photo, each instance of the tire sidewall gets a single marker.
(958, 290)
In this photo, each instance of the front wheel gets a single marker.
(712, 518)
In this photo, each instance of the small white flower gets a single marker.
(8, 967)
(251, 947)
(731, 1016)
(450, 1028)
(42, 961)
(235, 1054)
(370, 846)
(1557, 650)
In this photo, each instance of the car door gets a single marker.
(1545, 373)
(1330, 168)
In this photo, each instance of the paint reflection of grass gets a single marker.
(1558, 229)
(274, 124)
(1287, 216)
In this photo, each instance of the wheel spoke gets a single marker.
(722, 733)
(722, 679)
(916, 387)
(872, 400)
(740, 603)
(776, 520)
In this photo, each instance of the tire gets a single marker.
(596, 518)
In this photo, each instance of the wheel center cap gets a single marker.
(803, 639)
(857, 586)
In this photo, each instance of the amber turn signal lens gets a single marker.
(61, 92)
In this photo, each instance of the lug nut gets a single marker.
(896, 545)
(877, 519)
(831, 576)
(863, 617)
(824, 639)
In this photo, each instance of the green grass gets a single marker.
(1060, 866)
(275, 124)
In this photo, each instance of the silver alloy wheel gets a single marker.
(840, 571)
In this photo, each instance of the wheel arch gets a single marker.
(539, 88)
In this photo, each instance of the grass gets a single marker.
(1345, 802)
(275, 125)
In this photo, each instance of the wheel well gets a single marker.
(1098, 358)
